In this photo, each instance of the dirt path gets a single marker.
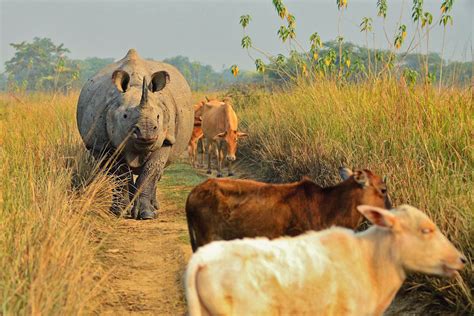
(149, 257)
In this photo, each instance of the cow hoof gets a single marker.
(219, 175)
(209, 172)
(147, 215)
(231, 174)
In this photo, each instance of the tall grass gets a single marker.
(419, 138)
(52, 210)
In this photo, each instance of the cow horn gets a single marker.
(207, 99)
(144, 98)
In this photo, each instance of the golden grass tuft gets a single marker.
(420, 139)
(53, 209)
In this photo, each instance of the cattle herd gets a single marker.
(259, 248)
(291, 249)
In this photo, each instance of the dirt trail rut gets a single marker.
(149, 257)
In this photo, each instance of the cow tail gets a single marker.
(192, 296)
(192, 235)
(192, 232)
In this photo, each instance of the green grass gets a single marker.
(177, 181)
(420, 139)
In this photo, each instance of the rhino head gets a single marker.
(139, 116)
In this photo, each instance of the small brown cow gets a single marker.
(219, 125)
(219, 209)
(197, 134)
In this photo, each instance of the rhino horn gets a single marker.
(144, 98)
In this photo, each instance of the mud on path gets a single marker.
(149, 257)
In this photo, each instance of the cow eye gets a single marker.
(384, 191)
(426, 231)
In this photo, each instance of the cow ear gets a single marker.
(378, 216)
(241, 134)
(159, 80)
(361, 177)
(220, 135)
(345, 173)
(121, 80)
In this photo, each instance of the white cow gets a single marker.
(331, 272)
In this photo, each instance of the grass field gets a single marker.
(54, 204)
(51, 210)
(420, 139)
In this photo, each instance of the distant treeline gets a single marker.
(41, 65)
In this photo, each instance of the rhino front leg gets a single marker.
(146, 201)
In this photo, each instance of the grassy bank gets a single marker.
(51, 210)
(420, 139)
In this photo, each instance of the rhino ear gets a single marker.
(159, 80)
(121, 80)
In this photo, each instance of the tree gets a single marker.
(40, 65)
(89, 67)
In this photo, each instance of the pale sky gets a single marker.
(208, 31)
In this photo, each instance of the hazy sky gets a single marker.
(208, 31)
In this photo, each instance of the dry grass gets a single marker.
(53, 206)
(420, 139)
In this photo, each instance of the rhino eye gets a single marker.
(125, 116)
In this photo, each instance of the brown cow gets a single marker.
(219, 125)
(197, 134)
(220, 209)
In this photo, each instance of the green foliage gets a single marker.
(280, 8)
(400, 38)
(417, 10)
(89, 67)
(245, 20)
(40, 65)
(259, 65)
(446, 6)
(410, 76)
(382, 8)
(366, 25)
(283, 33)
(200, 77)
(341, 4)
(445, 19)
(246, 42)
(427, 19)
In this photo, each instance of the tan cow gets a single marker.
(224, 209)
(219, 125)
(197, 135)
(328, 273)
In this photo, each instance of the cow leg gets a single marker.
(229, 165)
(191, 154)
(151, 172)
(203, 151)
(220, 158)
(209, 153)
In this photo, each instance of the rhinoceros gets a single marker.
(139, 114)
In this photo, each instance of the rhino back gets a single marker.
(99, 93)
